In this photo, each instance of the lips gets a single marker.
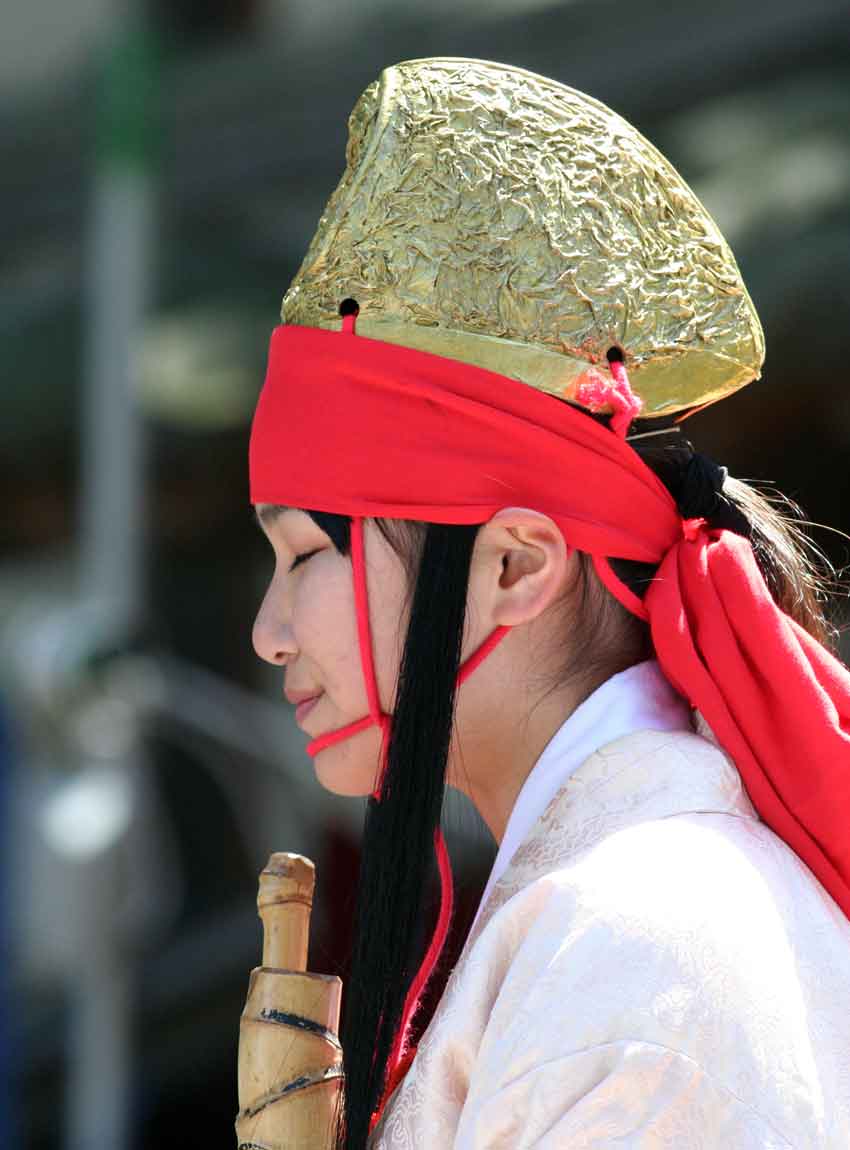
(300, 696)
(303, 709)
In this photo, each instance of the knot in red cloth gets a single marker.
(691, 529)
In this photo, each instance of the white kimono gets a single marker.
(653, 967)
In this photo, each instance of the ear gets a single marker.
(521, 564)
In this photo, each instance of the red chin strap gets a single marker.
(400, 1055)
(376, 716)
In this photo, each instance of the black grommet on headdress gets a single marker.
(700, 496)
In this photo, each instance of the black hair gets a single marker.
(397, 852)
(398, 849)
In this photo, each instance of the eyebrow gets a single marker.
(268, 513)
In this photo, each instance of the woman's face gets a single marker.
(307, 623)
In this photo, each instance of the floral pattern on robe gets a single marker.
(655, 969)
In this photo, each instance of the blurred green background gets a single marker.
(163, 168)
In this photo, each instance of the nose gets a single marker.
(271, 636)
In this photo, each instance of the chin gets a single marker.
(350, 768)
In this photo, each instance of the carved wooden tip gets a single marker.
(290, 865)
(287, 877)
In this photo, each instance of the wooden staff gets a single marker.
(290, 1059)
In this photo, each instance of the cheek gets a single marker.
(325, 630)
(388, 634)
(324, 625)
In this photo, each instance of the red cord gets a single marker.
(401, 1055)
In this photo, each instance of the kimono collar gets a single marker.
(637, 699)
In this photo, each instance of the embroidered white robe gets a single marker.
(655, 968)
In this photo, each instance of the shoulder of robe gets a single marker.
(679, 931)
(643, 777)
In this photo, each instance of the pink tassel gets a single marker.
(596, 392)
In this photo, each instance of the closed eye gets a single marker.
(303, 558)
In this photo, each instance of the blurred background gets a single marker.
(162, 168)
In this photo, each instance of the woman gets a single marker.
(613, 648)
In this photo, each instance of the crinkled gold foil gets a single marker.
(502, 219)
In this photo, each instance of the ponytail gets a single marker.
(798, 575)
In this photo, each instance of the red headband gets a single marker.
(364, 428)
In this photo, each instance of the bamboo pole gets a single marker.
(290, 1059)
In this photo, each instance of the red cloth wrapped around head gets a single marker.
(365, 428)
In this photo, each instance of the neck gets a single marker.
(490, 759)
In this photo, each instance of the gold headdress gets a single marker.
(502, 219)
